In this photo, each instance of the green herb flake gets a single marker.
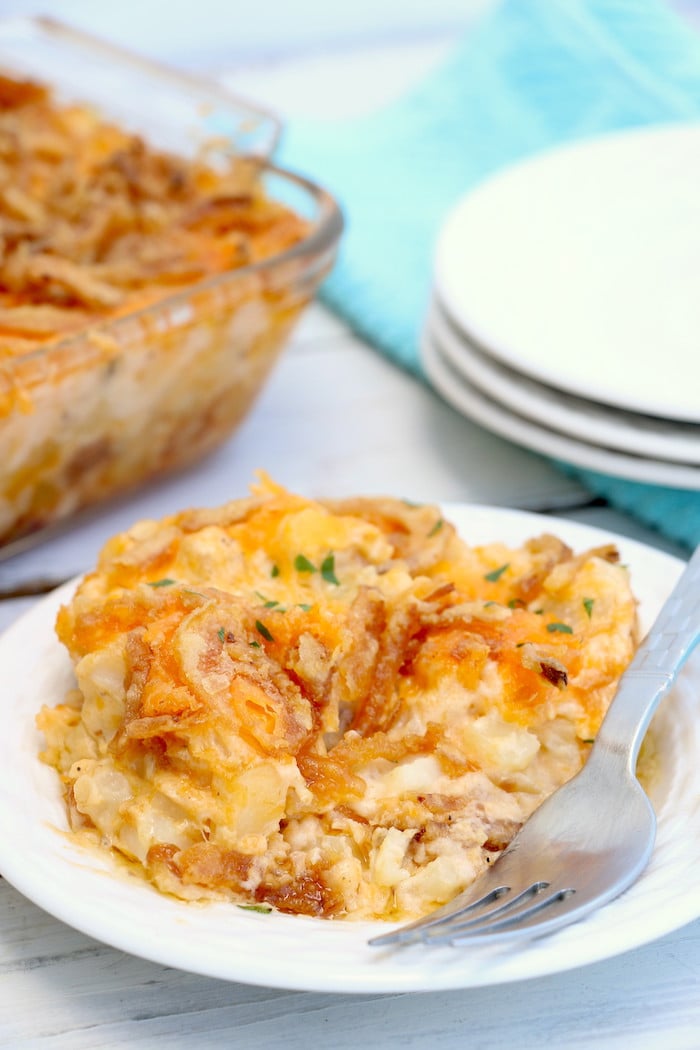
(262, 629)
(275, 571)
(436, 527)
(263, 909)
(495, 574)
(165, 582)
(328, 570)
(222, 634)
(304, 606)
(302, 564)
(561, 628)
(588, 740)
(588, 604)
(269, 603)
(516, 603)
(256, 645)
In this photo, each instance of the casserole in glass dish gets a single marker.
(153, 265)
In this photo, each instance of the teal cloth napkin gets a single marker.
(529, 75)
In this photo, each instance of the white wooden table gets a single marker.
(353, 423)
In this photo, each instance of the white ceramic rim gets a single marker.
(481, 409)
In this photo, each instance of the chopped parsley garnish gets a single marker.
(436, 527)
(262, 629)
(304, 606)
(562, 628)
(275, 571)
(264, 909)
(302, 564)
(588, 606)
(496, 574)
(588, 740)
(222, 634)
(328, 570)
(269, 603)
(165, 582)
(255, 645)
(516, 603)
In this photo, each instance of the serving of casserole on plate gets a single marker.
(146, 289)
(333, 708)
(83, 882)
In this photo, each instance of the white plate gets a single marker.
(588, 420)
(493, 416)
(581, 267)
(92, 894)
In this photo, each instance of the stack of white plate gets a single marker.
(566, 305)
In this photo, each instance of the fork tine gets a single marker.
(506, 907)
(413, 931)
(525, 918)
(492, 884)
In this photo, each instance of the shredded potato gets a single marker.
(332, 708)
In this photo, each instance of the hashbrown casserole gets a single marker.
(144, 298)
(335, 708)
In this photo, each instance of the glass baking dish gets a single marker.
(89, 415)
(171, 110)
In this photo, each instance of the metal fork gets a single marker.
(593, 837)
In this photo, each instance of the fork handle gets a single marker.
(654, 668)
